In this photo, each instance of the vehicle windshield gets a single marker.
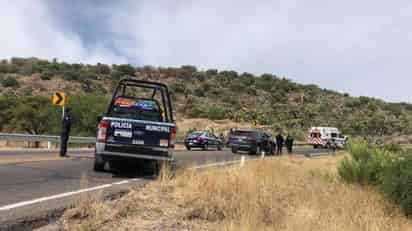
(195, 134)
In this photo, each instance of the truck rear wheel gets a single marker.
(99, 163)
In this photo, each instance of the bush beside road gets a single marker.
(388, 171)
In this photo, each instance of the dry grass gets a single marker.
(282, 194)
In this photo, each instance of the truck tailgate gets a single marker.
(136, 136)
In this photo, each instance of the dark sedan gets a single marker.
(203, 140)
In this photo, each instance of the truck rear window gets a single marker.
(245, 133)
(136, 109)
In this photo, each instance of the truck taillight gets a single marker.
(172, 137)
(102, 131)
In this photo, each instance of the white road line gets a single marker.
(43, 199)
(223, 163)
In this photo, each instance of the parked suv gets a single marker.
(203, 140)
(252, 141)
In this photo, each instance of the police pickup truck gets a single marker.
(138, 125)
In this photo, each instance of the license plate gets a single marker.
(138, 142)
(123, 133)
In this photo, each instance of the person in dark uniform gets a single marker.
(333, 146)
(222, 137)
(64, 137)
(289, 143)
(279, 143)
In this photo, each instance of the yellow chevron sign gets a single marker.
(59, 98)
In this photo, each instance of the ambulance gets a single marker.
(326, 137)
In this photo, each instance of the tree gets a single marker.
(227, 76)
(125, 69)
(103, 69)
(71, 75)
(85, 109)
(211, 72)
(247, 79)
(5, 104)
(33, 114)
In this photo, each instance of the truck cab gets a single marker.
(138, 125)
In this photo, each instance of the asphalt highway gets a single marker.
(37, 181)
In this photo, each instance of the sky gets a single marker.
(358, 47)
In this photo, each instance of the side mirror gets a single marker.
(99, 118)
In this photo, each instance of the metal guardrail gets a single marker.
(54, 139)
(73, 139)
(49, 138)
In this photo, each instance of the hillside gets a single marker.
(278, 103)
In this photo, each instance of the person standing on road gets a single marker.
(279, 143)
(65, 134)
(222, 138)
(333, 146)
(289, 143)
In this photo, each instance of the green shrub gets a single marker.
(199, 92)
(397, 183)
(116, 75)
(263, 84)
(228, 76)
(237, 87)
(366, 165)
(46, 75)
(211, 72)
(247, 79)
(71, 75)
(201, 76)
(215, 113)
(125, 69)
(103, 69)
(84, 123)
(194, 112)
(8, 68)
(9, 82)
(178, 88)
(396, 148)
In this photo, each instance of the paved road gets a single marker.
(25, 181)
